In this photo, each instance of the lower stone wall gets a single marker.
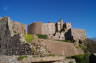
(61, 48)
(78, 34)
(30, 59)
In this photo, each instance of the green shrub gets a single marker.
(21, 57)
(42, 36)
(83, 58)
(28, 38)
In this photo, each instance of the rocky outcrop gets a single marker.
(79, 35)
(30, 59)
(39, 49)
(15, 46)
(9, 40)
(12, 41)
(13, 26)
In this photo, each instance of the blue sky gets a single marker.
(81, 13)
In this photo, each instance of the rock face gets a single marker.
(12, 41)
(16, 47)
(10, 38)
(12, 26)
(30, 59)
(58, 31)
(78, 35)
(39, 49)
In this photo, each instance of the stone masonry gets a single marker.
(14, 27)
(58, 31)
(12, 40)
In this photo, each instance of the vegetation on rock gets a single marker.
(82, 58)
(21, 57)
(42, 36)
(28, 38)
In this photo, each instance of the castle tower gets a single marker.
(68, 26)
(60, 24)
(35, 28)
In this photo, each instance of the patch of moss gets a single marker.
(21, 57)
(28, 38)
(42, 36)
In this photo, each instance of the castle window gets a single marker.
(0, 45)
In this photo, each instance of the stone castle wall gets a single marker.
(35, 28)
(78, 34)
(12, 41)
(11, 37)
(61, 48)
(58, 31)
(48, 28)
(14, 27)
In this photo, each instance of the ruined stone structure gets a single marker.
(78, 34)
(12, 41)
(58, 31)
(11, 38)
(61, 48)
(41, 28)
(14, 27)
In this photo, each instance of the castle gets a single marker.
(58, 31)
(12, 41)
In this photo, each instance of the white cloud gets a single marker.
(5, 8)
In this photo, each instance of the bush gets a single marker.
(42, 36)
(21, 57)
(28, 38)
(83, 58)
